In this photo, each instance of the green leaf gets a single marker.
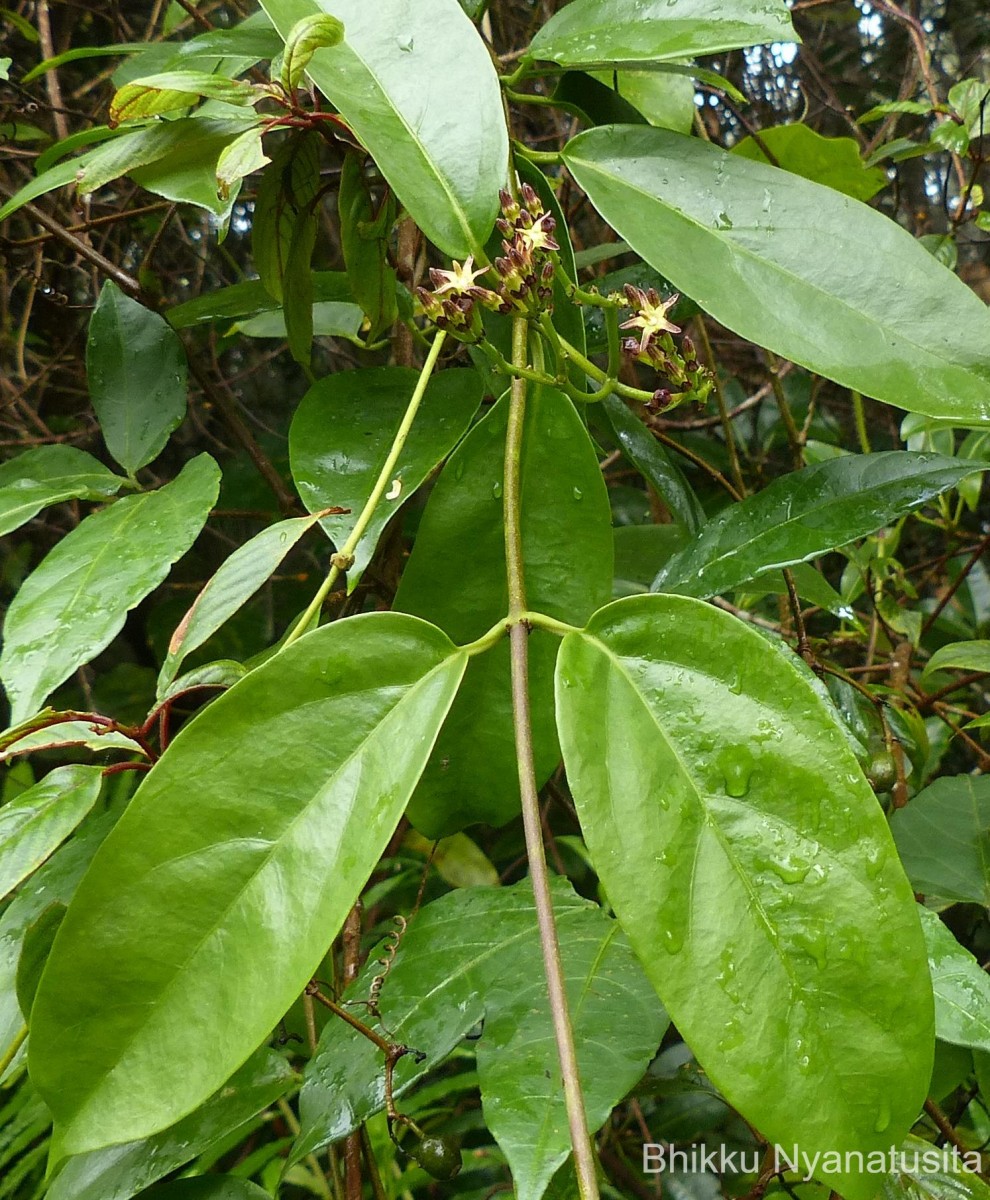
(40, 819)
(49, 475)
(898, 327)
(65, 734)
(276, 836)
(365, 241)
(959, 656)
(917, 107)
(832, 161)
(475, 955)
(232, 586)
(417, 85)
(157, 94)
(663, 98)
(119, 1172)
(601, 32)
(208, 1187)
(80, 52)
(943, 838)
(242, 157)
(342, 433)
(74, 603)
(330, 318)
(961, 986)
(640, 552)
(807, 513)
(927, 1172)
(37, 946)
(55, 881)
(308, 35)
(286, 194)
(136, 366)
(656, 465)
(751, 866)
(456, 578)
(250, 297)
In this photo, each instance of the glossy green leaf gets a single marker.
(456, 578)
(943, 838)
(188, 173)
(208, 1187)
(308, 35)
(751, 866)
(330, 318)
(82, 52)
(64, 735)
(342, 433)
(297, 286)
(49, 475)
(322, 746)
(136, 366)
(832, 161)
(287, 190)
(475, 955)
(35, 949)
(55, 881)
(804, 514)
(40, 819)
(171, 90)
(927, 1172)
(242, 157)
(601, 32)
(961, 986)
(658, 468)
(74, 604)
(640, 552)
(232, 586)
(251, 297)
(119, 1172)
(663, 98)
(365, 241)
(734, 235)
(457, 859)
(958, 656)
(417, 85)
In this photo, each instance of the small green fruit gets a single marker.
(881, 771)
(438, 1156)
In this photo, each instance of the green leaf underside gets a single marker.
(343, 430)
(69, 733)
(75, 602)
(927, 1172)
(591, 32)
(40, 819)
(48, 475)
(237, 580)
(426, 104)
(961, 986)
(251, 297)
(807, 513)
(791, 265)
(962, 656)
(119, 1172)
(274, 838)
(475, 955)
(943, 838)
(766, 902)
(455, 577)
(136, 367)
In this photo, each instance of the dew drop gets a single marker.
(497, 491)
(673, 940)
(577, 493)
(883, 1116)
(736, 765)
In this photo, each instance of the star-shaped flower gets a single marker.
(460, 279)
(651, 315)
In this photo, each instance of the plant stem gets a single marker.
(860, 418)
(12, 1049)
(344, 558)
(584, 1161)
(586, 365)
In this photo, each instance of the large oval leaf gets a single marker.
(416, 84)
(807, 513)
(75, 603)
(475, 955)
(751, 867)
(230, 873)
(789, 264)
(603, 32)
(47, 475)
(943, 838)
(343, 431)
(961, 986)
(136, 367)
(456, 578)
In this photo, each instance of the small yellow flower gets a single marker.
(651, 315)
(460, 279)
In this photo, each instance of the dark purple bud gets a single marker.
(547, 273)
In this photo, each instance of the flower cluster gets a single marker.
(685, 377)
(524, 272)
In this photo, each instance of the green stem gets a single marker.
(723, 409)
(586, 365)
(532, 620)
(584, 1161)
(859, 415)
(320, 1181)
(12, 1049)
(344, 558)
